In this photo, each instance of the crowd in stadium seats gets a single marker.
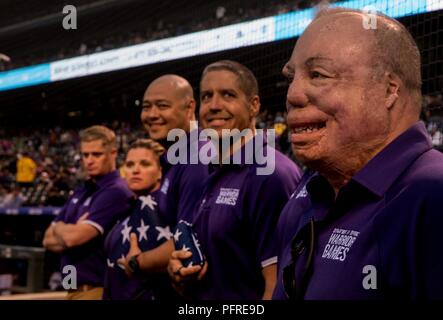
(57, 158)
(55, 153)
(433, 116)
(169, 27)
(277, 122)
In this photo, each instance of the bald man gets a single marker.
(366, 222)
(168, 103)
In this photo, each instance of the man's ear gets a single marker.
(394, 84)
(159, 175)
(191, 108)
(114, 153)
(254, 107)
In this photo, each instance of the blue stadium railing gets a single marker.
(31, 211)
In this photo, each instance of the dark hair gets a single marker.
(247, 81)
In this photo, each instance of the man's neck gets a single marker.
(233, 146)
(97, 178)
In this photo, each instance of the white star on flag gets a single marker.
(122, 266)
(148, 201)
(185, 248)
(125, 232)
(110, 264)
(177, 235)
(142, 231)
(164, 233)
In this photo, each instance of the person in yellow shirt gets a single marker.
(279, 128)
(26, 170)
(122, 171)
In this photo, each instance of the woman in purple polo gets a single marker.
(141, 230)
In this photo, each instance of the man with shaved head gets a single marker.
(168, 103)
(366, 221)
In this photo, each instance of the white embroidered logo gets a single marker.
(165, 186)
(302, 194)
(227, 196)
(87, 202)
(203, 202)
(339, 244)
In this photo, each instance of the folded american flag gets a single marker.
(186, 239)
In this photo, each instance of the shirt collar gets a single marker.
(164, 161)
(240, 152)
(382, 170)
(375, 177)
(107, 178)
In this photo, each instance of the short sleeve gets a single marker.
(269, 197)
(191, 188)
(62, 214)
(107, 207)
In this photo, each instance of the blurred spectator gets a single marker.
(4, 61)
(13, 199)
(279, 124)
(57, 161)
(26, 170)
(436, 134)
(83, 49)
(220, 12)
(6, 282)
(437, 138)
(55, 281)
(432, 115)
(6, 178)
(3, 192)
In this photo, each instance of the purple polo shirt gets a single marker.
(107, 200)
(236, 226)
(182, 185)
(380, 238)
(151, 232)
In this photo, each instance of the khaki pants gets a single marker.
(91, 294)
